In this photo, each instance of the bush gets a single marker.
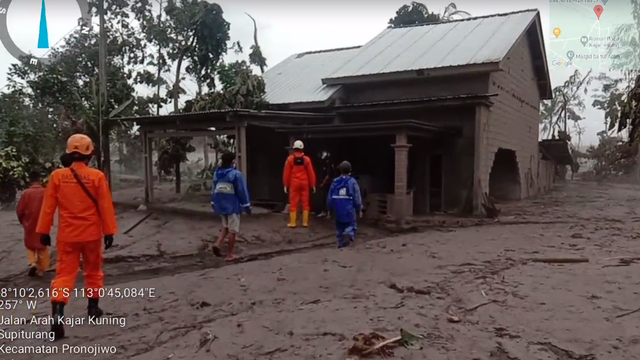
(14, 169)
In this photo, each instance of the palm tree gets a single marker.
(417, 13)
(451, 12)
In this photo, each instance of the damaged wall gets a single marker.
(515, 118)
(504, 179)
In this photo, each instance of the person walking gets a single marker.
(345, 205)
(82, 198)
(328, 171)
(28, 212)
(229, 198)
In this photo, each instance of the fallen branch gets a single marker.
(628, 313)
(137, 223)
(477, 306)
(382, 344)
(559, 260)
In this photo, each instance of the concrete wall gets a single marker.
(415, 89)
(514, 119)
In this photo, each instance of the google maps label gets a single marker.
(584, 40)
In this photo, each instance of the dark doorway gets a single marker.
(435, 182)
(504, 179)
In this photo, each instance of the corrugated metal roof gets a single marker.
(469, 41)
(211, 114)
(298, 79)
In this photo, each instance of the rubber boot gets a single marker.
(33, 270)
(93, 310)
(305, 219)
(293, 220)
(342, 243)
(57, 326)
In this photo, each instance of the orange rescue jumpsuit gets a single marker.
(299, 177)
(81, 227)
(28, 212)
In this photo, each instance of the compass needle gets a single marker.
(43, 35)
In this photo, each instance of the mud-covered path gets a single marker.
(308, 305)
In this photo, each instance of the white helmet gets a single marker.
(298, 145)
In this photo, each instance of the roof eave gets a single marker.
(416, 74)
(317, 103)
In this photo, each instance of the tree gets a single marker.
(65, 90)
(609, 98)
(199, 36)
(622, 100)
(566, 105)
(451, 12)
(418, 13)
(255, 56)
(48, 102)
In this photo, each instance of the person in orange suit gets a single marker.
(85, 216)
(28, 212)
(298, 178)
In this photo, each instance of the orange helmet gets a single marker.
(79, 143)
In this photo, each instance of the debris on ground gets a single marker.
(371, 344)
(624, 262)
(206, 338)
(408, 289)
(559, 260)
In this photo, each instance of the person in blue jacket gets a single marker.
(344, 204)
(229, 198)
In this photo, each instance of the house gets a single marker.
(432, 116)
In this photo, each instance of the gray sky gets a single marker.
(285, 28)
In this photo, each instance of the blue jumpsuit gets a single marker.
(345, 202)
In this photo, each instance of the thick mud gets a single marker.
(304, 299)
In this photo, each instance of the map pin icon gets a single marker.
(570, 55)
(584, 40)
(598, 9)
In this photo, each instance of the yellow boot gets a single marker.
(305, 219)
(293, 219)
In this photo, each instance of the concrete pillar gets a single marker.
(292, 139)
(241, 150)
(481, 167)
(401, 148)
(147, 151)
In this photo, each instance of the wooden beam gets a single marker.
(169, 134)
(145, 166)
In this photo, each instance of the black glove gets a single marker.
(108, 241)
(45, 239)
(247, 210)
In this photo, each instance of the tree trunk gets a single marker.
(176, 82)
(176, 98)
(106, 154)
(637, 165)
(176, 170)
(205, 150)
(8, 194)
(160, 66)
